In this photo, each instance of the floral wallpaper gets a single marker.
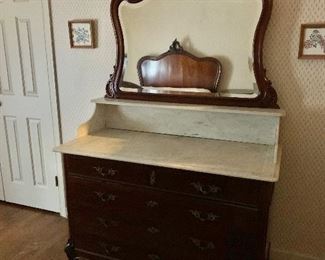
(297, 222)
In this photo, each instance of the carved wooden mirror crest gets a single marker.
(217, 59)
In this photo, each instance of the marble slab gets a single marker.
(191, 107)
(251, 125)
(235, 159)
(249, 128)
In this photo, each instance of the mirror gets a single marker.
(215, 59)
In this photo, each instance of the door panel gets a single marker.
(11, 134)
(26, 55)
(37, 152)
(28, 164)
(5, 82)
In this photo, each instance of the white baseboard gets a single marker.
(286, 255)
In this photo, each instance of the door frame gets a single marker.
(49, 43)
(2, 194)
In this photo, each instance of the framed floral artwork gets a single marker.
(312, 41)
(82, 34)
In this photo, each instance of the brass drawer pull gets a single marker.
(108, 223)
(109, 173)
(110, 250)
(152, 204)
(211, 217)
(153, 230)
(104, 197)
(206, 190)
(203, 245)
(154, 257)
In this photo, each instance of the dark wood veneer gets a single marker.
(210, 186)
(179, 68)
(117, 216)
(267, 97)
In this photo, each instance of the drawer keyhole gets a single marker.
(153, 178)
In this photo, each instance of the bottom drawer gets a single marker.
(114, 250)
(239, 247)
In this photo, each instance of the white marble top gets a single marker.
(235, 159)
(192, 107)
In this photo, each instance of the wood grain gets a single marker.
(235, 190)
(179, 68)
(31, 234)
(162, 215)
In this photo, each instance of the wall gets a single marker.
(82, 73)
(298, 211)
(297, 218)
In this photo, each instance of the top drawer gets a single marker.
(107, 169)
(199, 184)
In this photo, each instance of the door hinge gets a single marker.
(56, 181)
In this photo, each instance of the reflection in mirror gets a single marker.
(222, 30)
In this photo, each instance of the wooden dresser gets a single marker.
(122, 206)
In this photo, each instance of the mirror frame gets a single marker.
(266, 99)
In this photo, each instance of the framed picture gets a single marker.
(312, 41)
(82, 34)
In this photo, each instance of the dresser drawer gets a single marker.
(118, 227)
(107, 169)
(209, 220)
(209, 186)
(168, 212)
(127, 250)
(117, 198)
(123, 200)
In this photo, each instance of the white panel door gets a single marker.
(28, 164)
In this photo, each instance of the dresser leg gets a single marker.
(69, 250)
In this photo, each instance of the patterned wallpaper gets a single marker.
(297, 222)
(82, 73)
(298, 210)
